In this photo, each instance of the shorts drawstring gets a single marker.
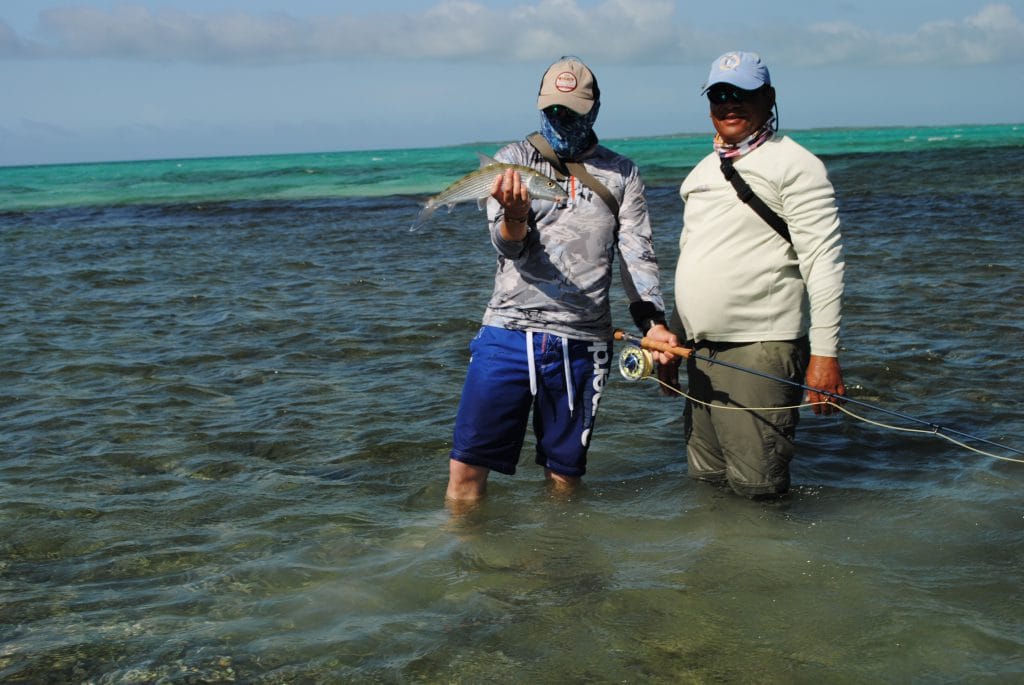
(568, 373)
(531, 363)
(565, 364)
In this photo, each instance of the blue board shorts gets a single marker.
(568, 377)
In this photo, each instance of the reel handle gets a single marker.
(655, 345)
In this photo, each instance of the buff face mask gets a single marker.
(569, 137)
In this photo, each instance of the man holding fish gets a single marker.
(546, 341)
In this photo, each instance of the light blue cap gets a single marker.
(742, 69)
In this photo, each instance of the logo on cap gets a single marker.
(566, 82)
(730, 61)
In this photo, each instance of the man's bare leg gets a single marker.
(466, 483)
(563, 485)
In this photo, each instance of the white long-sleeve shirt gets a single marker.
(737, 280)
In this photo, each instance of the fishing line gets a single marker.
(636, 363)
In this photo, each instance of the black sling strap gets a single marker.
(576, 169)
(747, 196)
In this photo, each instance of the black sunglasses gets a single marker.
(561, 113)
(719, 95)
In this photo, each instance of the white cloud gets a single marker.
(134, 32)
(993, 36)
(619, 31)
(10, 44)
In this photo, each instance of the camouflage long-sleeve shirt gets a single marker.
(558, 279)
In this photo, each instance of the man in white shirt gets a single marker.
(750, 295)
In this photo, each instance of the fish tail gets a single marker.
(421, 218)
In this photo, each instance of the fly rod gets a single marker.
(634, 368)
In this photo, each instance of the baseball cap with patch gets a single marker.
(570, 83)
(741, 69)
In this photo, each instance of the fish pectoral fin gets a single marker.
(481, 203)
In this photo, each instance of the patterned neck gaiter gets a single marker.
(570, 138)
(751, 142)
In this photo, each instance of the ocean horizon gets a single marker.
(411, 171)
(487, 144)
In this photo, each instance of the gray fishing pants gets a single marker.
(741, 440)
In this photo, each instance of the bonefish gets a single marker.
(476, 185)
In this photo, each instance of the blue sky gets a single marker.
(92, 80)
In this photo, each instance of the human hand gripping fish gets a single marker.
(514, 196)
(484, 182)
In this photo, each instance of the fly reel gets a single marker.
(635, 363)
